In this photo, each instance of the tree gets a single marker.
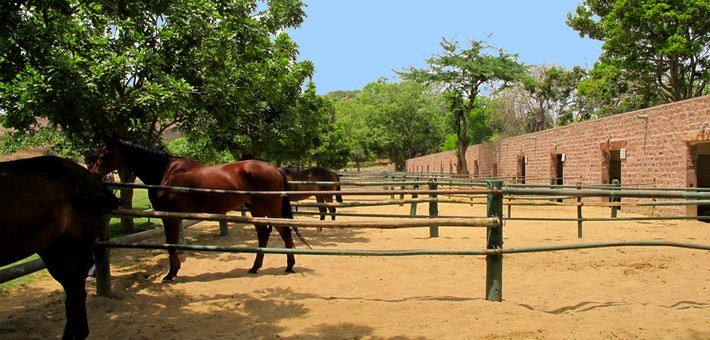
(224, 71)
(308, 134)
(551, 99)
(463, 74)
(660, 45)
(350, 115)
(480, 128)
(137, 67)
(404, 120)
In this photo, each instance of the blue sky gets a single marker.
(355, 42)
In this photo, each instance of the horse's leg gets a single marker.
(329, 199)
(287, 237)
(263, 231)
(172, 236)
(68, 264)
(323, 211)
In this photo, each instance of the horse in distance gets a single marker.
(314, 174)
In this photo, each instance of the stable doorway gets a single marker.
(615, 158)
(702, 172)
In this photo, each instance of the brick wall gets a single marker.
(660, 145)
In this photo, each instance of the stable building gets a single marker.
(665, 146)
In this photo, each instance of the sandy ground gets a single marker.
(624, 293)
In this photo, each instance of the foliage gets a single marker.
(480, 127)
(225, 71)
(337, 95)
(350, 116)
(402, 120)
(546, 98)
(654, 51)
(391, 120)
(14, 141)
(308, 134)
(463, 74)
(198, 150)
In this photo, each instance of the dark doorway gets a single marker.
(521, 169)
(557, 171)
(615, 171)
(702, 171)
(560, 169)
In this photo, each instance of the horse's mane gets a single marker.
(143, 155)
(144, 149)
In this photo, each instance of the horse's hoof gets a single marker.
(290, 270)
(253, 271)
(169, 278)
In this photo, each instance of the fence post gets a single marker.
(615, 185)
(413, 209)
(102, 261)
(223, 228)
(494, 263)
(510, 206)
(433, 207)
(579, 212)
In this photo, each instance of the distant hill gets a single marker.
(335, 95)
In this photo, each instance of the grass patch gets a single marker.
(21, 281)
(140, 202)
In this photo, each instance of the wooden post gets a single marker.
(413, 209)
(433, 208)
(615, 184)
(494, 263)
(579, 212)
(101, 257)
(401, 196)
(223, 228)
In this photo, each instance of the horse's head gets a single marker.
(289, 169)
(108, 159)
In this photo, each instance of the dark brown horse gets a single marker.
(157, 167)
(54, 207)
(314, 174)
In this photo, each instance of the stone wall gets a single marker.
(654, 147)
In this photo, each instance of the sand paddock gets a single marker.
(612, 293)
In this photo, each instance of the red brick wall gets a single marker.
(658, 142)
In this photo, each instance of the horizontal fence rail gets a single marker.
(404, 252)
(484, 222)
(432, 190)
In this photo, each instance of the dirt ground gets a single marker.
(610, 293)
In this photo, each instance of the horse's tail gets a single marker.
(286, 211)
(338, 198)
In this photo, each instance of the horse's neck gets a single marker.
(146, 167)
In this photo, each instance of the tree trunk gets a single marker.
(126, 176)
(461, 157)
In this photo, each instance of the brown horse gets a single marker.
(54, 207)
(314, 174)
(157, 167)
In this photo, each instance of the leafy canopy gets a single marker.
(663, 45)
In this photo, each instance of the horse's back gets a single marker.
(38, 198)
(244, 175)
(247, 175)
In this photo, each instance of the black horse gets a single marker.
(54, 207)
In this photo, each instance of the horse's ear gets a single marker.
(113, 141)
